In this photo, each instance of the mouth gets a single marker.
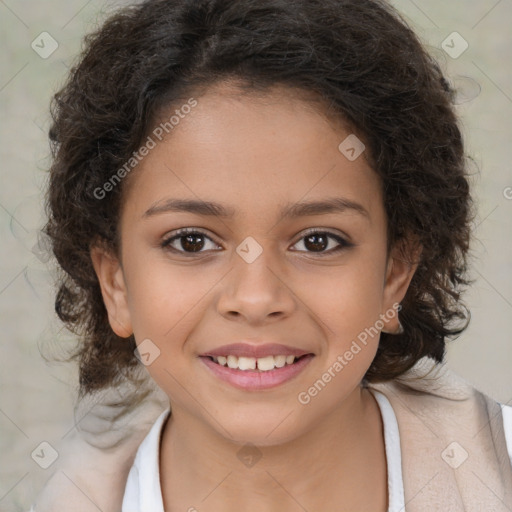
(256, 374)
(260, 364)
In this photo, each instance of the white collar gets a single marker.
(143, 492)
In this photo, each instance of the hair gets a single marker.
(358, 57)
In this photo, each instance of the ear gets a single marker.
(113, 289)
(402, 264)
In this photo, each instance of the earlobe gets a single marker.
(113, 289)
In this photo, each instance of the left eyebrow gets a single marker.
(329, 205)
(290, 210)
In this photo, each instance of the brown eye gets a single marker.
(187, 241)
(319, 241)
(316, 242)
(192, 243)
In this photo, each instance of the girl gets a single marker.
(265, 206)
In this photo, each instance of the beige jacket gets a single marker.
(454, 452)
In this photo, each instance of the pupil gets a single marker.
(311, 239)
(188, 242)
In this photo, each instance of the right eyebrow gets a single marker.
(191, 206)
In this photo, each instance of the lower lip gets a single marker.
(254, 380)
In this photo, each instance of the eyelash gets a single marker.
(344, 244)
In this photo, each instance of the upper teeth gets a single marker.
(249, 363)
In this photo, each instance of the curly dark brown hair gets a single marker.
(359, 57)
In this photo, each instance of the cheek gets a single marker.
(352, 296)
(162, 297)
(351, 305)
(165, 309)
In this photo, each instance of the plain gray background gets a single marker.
(36, 398)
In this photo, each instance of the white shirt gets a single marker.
(143, 492)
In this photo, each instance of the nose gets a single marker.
(256, 292)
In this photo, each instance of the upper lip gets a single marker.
(256, 351)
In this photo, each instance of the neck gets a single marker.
(340, 458)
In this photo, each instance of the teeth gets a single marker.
(247, 363)
(263, 364)
(280, 361)
(232, 362)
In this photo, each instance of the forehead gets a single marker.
(250, 151)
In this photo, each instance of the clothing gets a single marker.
(143, 492)
(454, 443)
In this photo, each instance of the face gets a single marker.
(258, 270)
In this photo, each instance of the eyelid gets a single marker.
(328, 231)
(342, 240)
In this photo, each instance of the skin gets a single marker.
(255, 153)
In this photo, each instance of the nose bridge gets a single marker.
(255, 287)
(256, 266)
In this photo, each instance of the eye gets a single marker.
(193, 240)
(187, 240)
(317, 241)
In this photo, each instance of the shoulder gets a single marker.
(433, 401)
(95, 460)
(453, 439)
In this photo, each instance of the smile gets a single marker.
(250, 373)
(263, 364)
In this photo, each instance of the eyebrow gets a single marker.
(290, 210)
